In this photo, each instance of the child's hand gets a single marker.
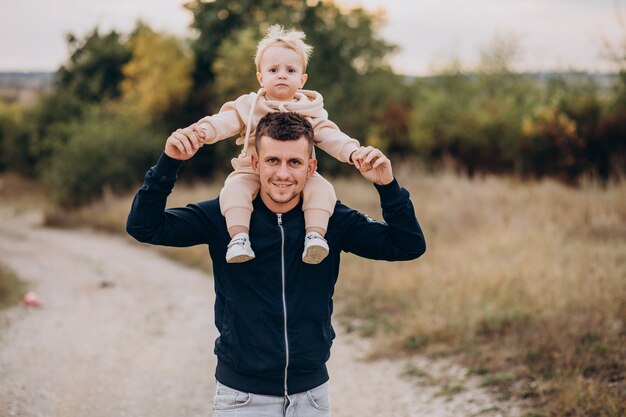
(201, 132)
(357, 157)
(353, 158)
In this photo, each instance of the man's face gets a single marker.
(283, 168)
(281, 73)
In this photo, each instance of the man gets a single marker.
(274, 312)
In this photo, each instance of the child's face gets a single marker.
(281, 73)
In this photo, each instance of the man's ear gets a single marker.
(303, 81)
(312, 167)
(255, 163)
(259, 77)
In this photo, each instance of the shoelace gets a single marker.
(239, 241)
(311, 237)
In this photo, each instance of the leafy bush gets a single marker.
(103, 150)
(609, 150)
(15, 153)
(471, 120)
(550, 145)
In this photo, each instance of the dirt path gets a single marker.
(126, 332)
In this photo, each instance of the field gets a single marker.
(525, 282)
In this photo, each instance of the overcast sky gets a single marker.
(553, 34)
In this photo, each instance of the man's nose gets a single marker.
(283, 171)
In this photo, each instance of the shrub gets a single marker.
(15, 152)
(103, 150)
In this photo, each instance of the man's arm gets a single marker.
(148, 220)
(400, 237)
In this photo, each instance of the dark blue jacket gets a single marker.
(273, 313)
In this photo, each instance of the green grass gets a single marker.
(11, 287)
(451, 390)
(411, 371)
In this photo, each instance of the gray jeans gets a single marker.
(229, 402)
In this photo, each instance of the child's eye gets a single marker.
(291, 70)
(272, 69)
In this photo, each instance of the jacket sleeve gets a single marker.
(149, 221)
(399, 238)
(333, 141)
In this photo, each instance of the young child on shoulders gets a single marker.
(281, 60)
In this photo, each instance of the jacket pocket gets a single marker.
(253, 343)
(224, 343)
(310, 348)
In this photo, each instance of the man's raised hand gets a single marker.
(373, 165)
(184, 143)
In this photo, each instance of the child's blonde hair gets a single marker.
(291, 39)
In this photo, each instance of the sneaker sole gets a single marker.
(314, 255)
(239, 259)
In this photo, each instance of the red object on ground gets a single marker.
(31, 300)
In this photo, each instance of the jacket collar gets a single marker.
(260, 207)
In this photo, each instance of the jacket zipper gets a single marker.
(282, 259)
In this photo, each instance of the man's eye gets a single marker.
(295, 163)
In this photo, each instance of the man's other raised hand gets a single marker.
(373, 165)
(184, 143)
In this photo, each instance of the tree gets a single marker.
(234, 69)
(551, 146)
(91, 76)
(610, 147)
(349, 57)
(93, 72)
(104, 149)
(157, 79)
(347, 54)
(15, 152)
(346, 49)
(473, 118)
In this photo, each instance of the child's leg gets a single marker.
(236, 197)
(318, 205)
(240, 188)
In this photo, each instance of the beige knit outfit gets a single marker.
(240, 117)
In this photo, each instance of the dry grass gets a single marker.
(528, 278)
(109, 215)
(525, 281)
(20, 194)
(499, 250)
(17, 195)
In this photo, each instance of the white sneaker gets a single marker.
(315, 248)
(239, 249)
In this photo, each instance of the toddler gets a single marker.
(281, 60)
